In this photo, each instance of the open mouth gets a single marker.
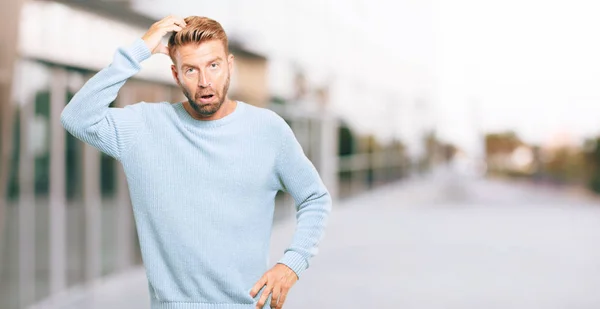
(207, 98)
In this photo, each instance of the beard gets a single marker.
(211, 108)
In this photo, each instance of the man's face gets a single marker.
(203, 72)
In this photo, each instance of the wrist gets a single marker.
(294, 261)
(139, 50)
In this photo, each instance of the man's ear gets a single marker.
(230, 59)
(175, 74)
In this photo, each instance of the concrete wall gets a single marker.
(250, 75)
(9, 14)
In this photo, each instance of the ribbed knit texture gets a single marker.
(202, 191)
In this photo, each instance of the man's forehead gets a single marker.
(204, 51)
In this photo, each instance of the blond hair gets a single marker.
(199, 29)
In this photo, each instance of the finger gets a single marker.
(168, 29)
(282, 298)
(275, 296)
(165, 21)
(174, 28)
(264, 296)
(169, 21)
(180, 22)
(176, 20)
(261, 282)
(170, 18)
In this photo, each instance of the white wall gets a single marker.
(58, 33)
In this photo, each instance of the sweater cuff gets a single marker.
(295, 261)
(139, 50)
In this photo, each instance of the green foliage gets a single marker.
(592, 156)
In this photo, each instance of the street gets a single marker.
(452, 243)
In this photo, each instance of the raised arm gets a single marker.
(88, 116)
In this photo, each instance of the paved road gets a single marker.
(453, 243)
(442, 243)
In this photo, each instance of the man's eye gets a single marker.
(214, 65)
(190, 70)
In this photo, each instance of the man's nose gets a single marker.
(203, 81)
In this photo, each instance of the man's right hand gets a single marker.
(159, 29)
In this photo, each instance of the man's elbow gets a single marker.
(327, 202)
(68, 119)
(65, 118)
(321, 203)
(70, 122)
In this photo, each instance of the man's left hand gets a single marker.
(278, 280)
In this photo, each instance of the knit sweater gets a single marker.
(202, 191)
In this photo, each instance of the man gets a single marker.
(203, 174)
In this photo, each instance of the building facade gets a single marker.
(66, 217)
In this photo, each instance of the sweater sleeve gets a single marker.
(299, 177)
(88, 115)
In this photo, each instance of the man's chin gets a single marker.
(206, 109)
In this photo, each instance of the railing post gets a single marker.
(26, 212)
(58, 280)
(93, 214)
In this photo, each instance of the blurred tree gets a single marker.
(565, 165)
(592, 157)
(498, 150)
(372, 147)
(277, 100)
(346, 141)
(501, 143)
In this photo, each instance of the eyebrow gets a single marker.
(218, 58)
(187, 65)
(184, 65)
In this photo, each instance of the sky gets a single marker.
(527, 65)
(530, 66)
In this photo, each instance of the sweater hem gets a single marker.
(186, 305)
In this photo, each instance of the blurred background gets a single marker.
(460, 140)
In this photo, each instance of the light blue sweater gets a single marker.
(202, 191)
